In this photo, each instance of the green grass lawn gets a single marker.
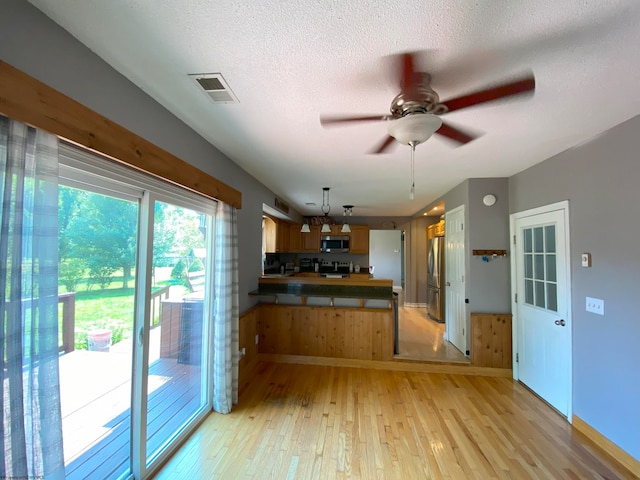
(111, 308)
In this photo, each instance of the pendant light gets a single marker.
(326, 208)
(348, 210)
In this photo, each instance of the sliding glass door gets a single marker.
(135, 276)
(175, 367)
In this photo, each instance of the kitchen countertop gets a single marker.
(380, 289)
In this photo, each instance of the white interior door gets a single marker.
(455, 311)
(542, 305)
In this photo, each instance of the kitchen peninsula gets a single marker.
(352, 318)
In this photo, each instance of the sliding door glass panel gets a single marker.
(97, 254)
(176, 383)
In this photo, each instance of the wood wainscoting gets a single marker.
(248, 330)
(336, 332)
(491, 343)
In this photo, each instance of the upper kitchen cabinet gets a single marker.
(359, 239)
(311, 240)
(269, 233)
(295, 237)
(282, 236)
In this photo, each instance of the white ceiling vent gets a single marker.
(215, 86)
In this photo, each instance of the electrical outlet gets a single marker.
(595, 305)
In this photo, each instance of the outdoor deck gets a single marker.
(96, 396)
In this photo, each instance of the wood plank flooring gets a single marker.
(311, 422)
(420, 338)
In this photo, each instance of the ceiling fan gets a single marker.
(416, 110)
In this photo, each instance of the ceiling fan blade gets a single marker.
(408, 78)
(384, 145)
(455, 134)
(524, 85)
(328, 121)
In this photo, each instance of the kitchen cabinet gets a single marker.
(436, 230)
(282, 236)
(359, 239)
(295, 238)
(269, 234)
(311, 240)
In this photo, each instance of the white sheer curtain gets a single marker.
(226, 310)
(30, 389)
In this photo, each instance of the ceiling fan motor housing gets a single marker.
(420, 98)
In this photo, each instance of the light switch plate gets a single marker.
(586, 259)
(595, 305)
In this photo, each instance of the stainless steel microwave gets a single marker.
(334, 243)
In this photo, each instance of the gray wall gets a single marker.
(385, 254)
(601, 180)
(488, 282)
(36, 45)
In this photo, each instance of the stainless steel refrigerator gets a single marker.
(435, 279)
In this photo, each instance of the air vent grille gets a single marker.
(215, 87)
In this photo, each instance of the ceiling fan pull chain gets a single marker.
(413, 183)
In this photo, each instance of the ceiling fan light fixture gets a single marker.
(416, 128)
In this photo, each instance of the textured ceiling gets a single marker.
(288, 62)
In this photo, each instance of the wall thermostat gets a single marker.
(586, 259)
(489, 200)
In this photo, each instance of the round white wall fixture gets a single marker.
(489, 200)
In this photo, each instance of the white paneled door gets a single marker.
(455, 311)
(542, 303)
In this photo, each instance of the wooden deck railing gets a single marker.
(156, 299)
(68, 301)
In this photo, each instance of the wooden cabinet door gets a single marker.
(282, 237)
(295, 237)
(311, 240)
(359, 242)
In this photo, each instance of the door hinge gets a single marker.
(514, 239)
(517, 357)
(515, 298)
(462, 226)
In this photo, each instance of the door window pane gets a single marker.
(528, 291)
(552, 297)
(540, 267)
(528, 242)
(538, 242)
(550, 238)
(528, 266)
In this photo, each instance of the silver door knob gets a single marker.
(562, 323)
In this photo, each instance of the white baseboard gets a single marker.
(416, 305)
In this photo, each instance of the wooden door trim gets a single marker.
(28, 100)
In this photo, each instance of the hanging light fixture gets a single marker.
(348, 211)
(326, 208)
(413, 130)
(305, 227)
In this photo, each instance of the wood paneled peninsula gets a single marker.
(352, 318)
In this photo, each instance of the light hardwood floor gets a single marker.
(422, 339)
(317, 422)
